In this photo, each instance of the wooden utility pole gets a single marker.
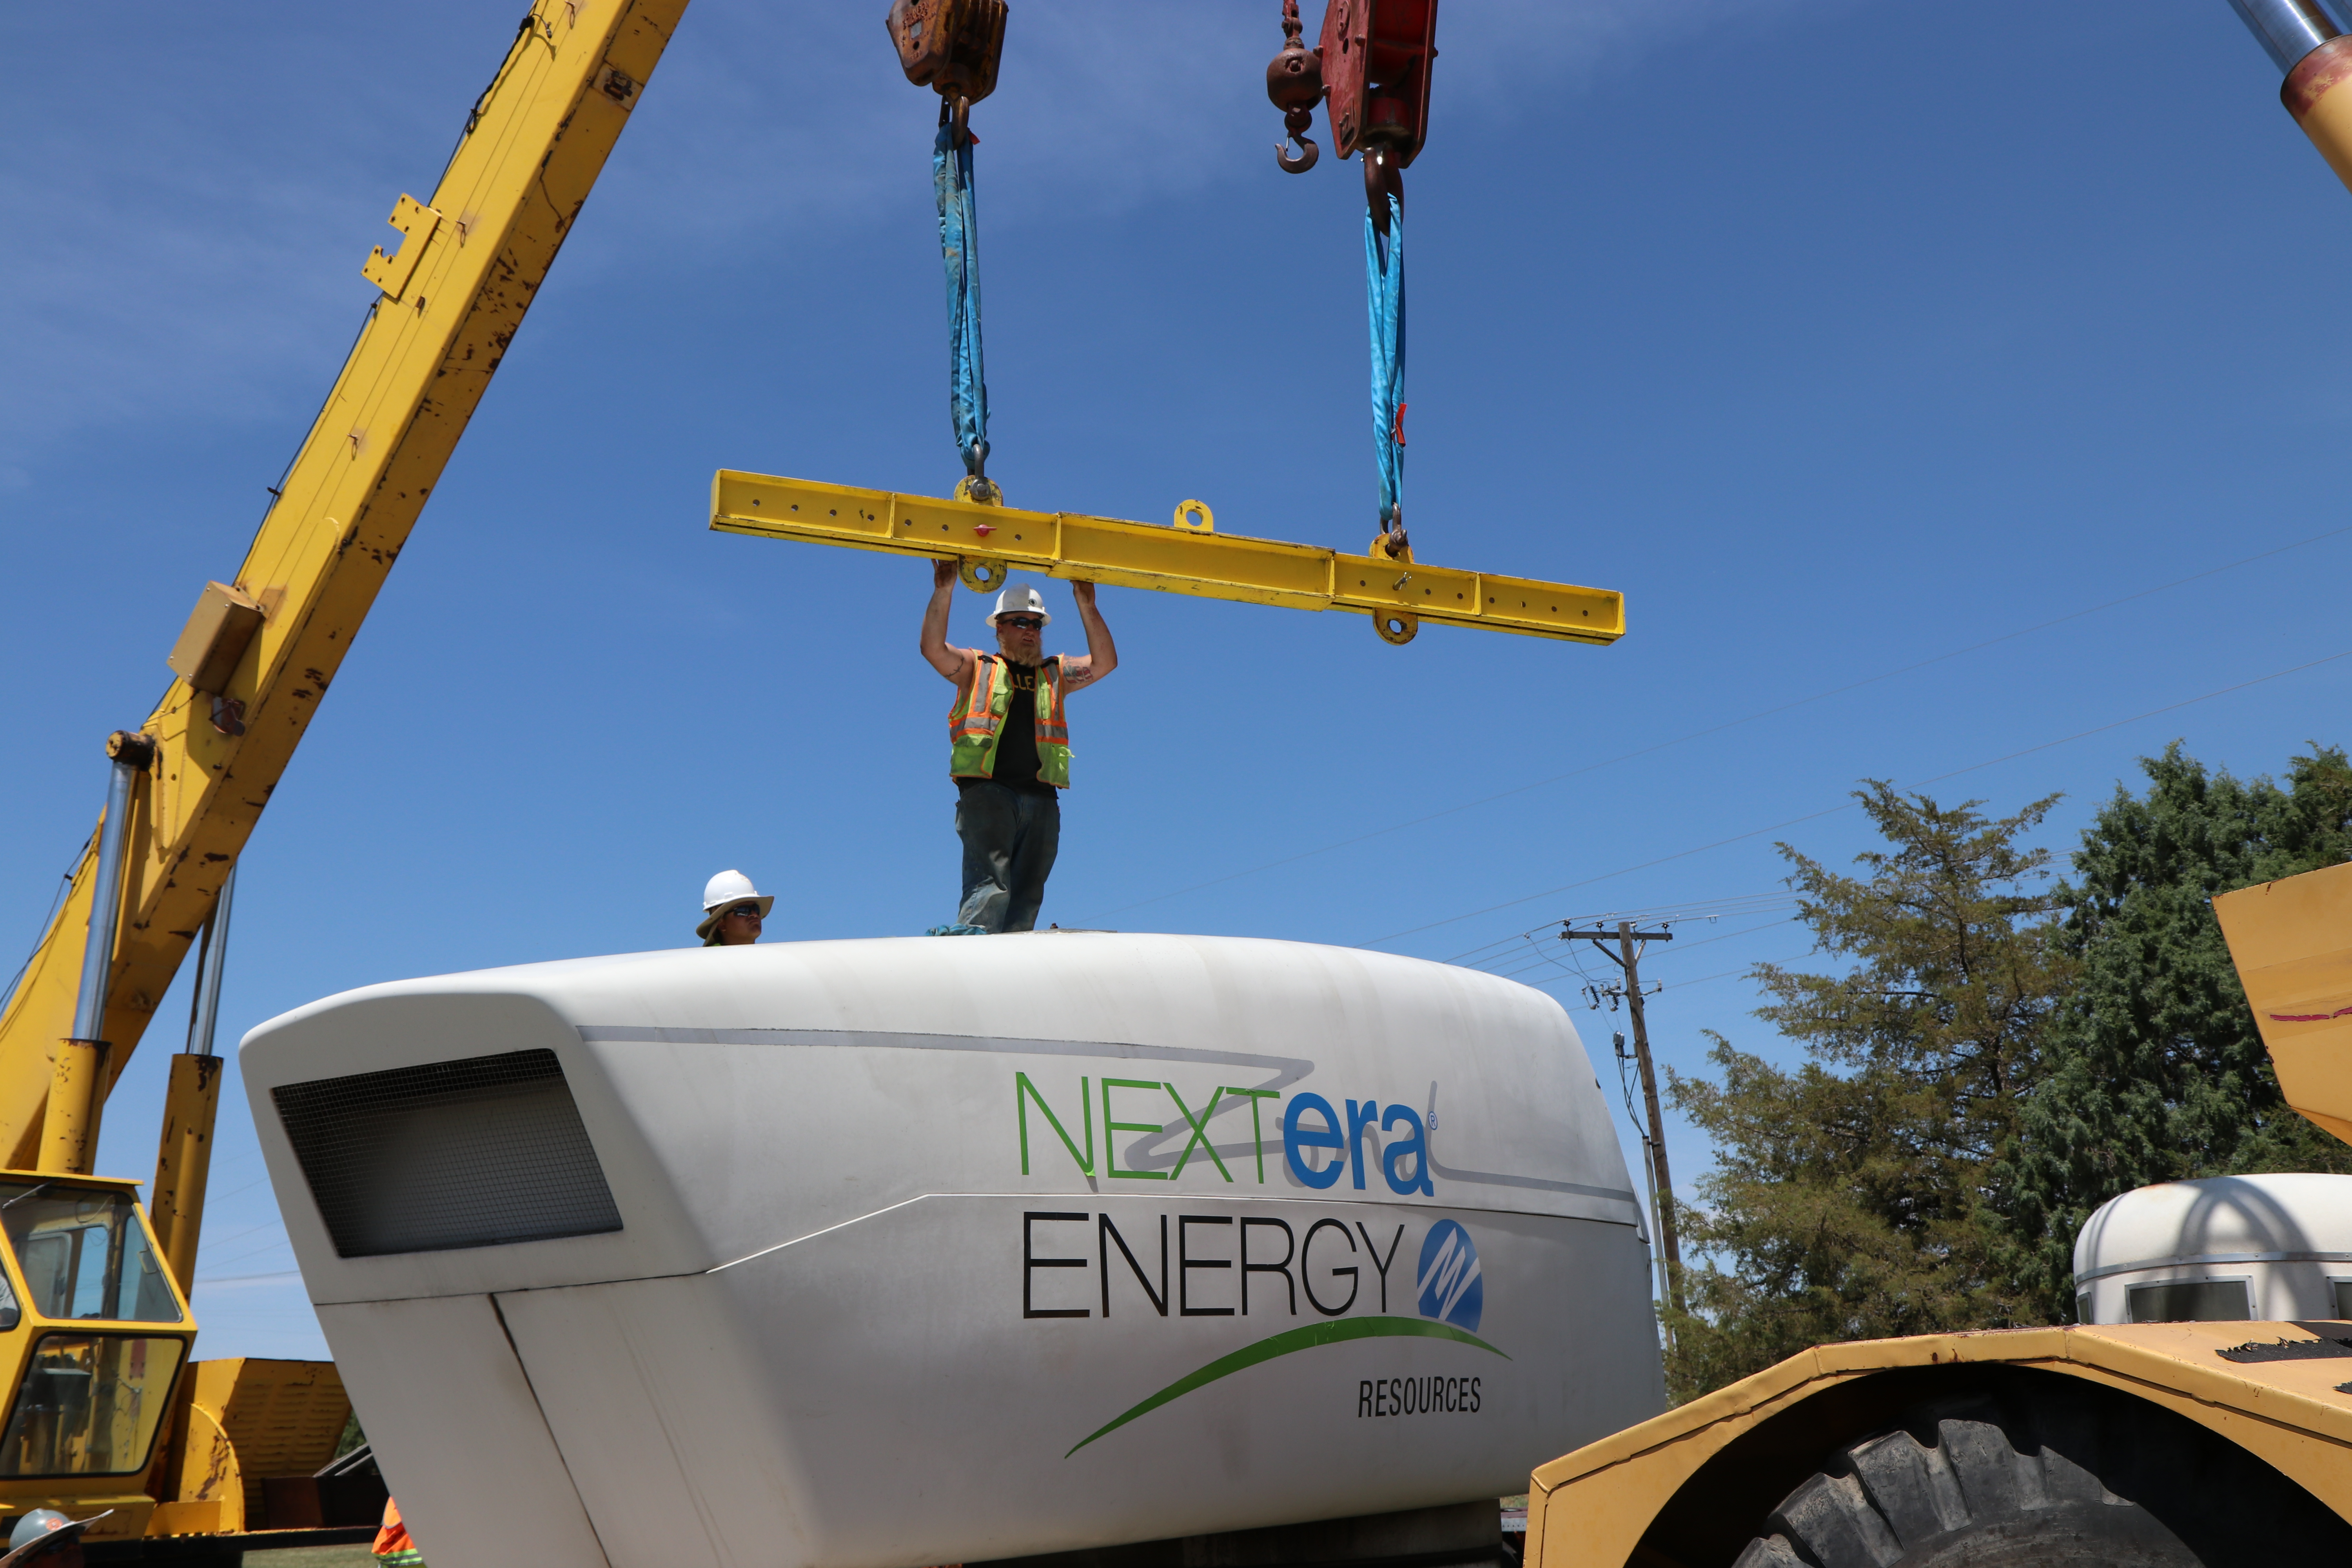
(1627, 956)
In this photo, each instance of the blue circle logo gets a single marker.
(1448, 1281)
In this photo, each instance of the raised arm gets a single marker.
(1102, 654)
(954, 663)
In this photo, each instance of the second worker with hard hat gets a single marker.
(732, 910)
(1009, 745)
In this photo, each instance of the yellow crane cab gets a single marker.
(94, 1331)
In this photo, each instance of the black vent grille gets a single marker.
(477, 1153)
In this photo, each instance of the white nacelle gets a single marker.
(2276, 1247)
(868, 1254)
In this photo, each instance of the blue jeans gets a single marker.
(1010, 836)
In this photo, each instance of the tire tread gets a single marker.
(1963, 1481)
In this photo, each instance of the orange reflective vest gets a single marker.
(976, 723)
(392, 1547)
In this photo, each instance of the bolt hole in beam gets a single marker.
(1180, 558)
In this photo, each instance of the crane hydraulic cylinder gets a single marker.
(2304, 40)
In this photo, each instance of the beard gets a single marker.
(1030, 659)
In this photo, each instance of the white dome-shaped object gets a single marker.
(863, 1254)
(2272, 1247)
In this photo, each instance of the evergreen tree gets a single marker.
(2155, 1071)
(1849, 1197)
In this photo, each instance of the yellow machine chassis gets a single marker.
(1632, 1498)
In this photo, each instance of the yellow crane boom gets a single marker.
(454, 290)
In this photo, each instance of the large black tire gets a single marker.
(2077, 1476)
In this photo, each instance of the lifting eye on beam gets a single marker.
(1187, 558)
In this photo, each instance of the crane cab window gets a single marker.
(83, 1254)
(90, 1404)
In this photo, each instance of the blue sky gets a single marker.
(1947, 391)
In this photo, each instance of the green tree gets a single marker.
(1849, 1197)
(2155, 1071)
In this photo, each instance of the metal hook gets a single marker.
(1294, 83)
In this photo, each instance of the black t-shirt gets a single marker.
(1016, 746)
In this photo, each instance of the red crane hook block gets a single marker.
(1376, 56)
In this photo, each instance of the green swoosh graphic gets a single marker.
(1288, 1343)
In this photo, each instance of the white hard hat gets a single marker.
(733, 888)
(722, 893)
(1021, 599)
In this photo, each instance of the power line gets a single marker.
(1709, 909)
(1835, 810)
(1728, 974)
(1723, 974)
(255, 1252)
(1732, 723)
(1538, 956)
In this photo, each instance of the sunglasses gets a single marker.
(749, 911)
(1019, 624)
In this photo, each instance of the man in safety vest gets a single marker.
(1010, 745)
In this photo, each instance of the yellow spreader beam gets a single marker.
(1186, 557)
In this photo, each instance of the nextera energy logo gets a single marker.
(1224, 1265)
(1311, 1128)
